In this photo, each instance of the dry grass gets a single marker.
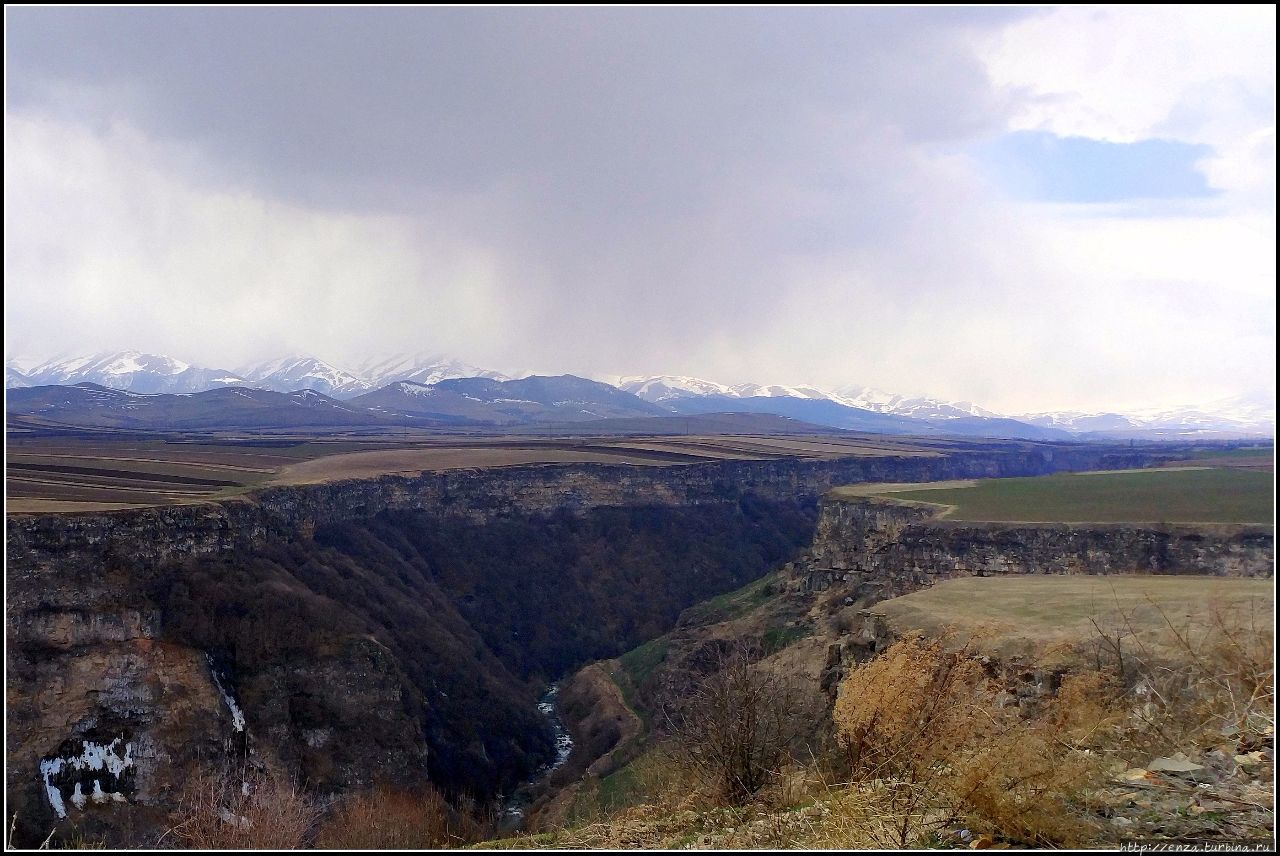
(245, 809)
(1030, 615)
(367, 464)
(855, 491)
(1192, 678)
(390, 819)
(930, 747)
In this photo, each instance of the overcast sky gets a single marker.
(1030, 209)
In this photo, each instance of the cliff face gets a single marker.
(393, 628)
(162, 534)
(877, 549)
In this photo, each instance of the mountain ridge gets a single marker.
(852, 406)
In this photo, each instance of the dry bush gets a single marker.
(1197, 678)
(391, 819)
(929, 747)
(735, 731)
(242, 809)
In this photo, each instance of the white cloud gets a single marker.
(812, 219)
(114, 240)
(1199, 74)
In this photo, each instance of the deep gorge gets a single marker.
(393, 629)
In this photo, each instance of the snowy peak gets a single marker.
(133, 371)
(564, 398)
(154, 373)
(15, 378)
(755, 390)
(299, 372)
(420, 368)
(918, 407)
(667, 387)
(672, 388)
(1244, 414)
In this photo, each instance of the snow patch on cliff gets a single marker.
(93, 756)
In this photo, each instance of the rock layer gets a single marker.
(874, 549)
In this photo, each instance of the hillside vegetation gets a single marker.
(1154, 720)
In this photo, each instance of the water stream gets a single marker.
(513, 807)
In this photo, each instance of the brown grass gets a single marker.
(929, 747)
(244, 809)
(390, 819)
(1194, 677)
(1028, 615)
(367, 464)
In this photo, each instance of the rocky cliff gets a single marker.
(873, 549)
(395, 628)
(152, 535)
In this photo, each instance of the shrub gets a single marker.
(734, 731)
(1201, 676)
(390, 819)
(244, 809)
(929, 746)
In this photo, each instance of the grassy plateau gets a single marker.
(1142, 496)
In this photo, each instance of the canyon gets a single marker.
(402, 628)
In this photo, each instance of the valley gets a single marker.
(1143, 608)
(394, 616)
(526, 427)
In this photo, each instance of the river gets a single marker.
(513, 807)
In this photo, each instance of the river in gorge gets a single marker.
(513, 807)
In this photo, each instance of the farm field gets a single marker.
(53, 474)
(1029, 615)
(1260, 458)
(1173, 495)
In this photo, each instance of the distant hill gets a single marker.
(705, 423)
(93, 406)
(533, 399)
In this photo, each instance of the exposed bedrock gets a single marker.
(398, 628)
(178, 532)
(874, 549)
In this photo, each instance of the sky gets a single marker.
(1032, 209)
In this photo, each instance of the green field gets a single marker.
(1141, 496)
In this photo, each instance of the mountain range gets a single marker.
(435, 389)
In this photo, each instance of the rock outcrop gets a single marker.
(872, 549)
(869, 549)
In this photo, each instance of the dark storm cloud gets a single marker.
(632, 112)
(749, 194)
(618, 160)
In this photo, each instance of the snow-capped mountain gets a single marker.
(756, 390)
(667, 387)
(848, 406)
(1245, 414)
(134, 371)
(131, 371)
(300, 372)
(920, 407)
(14, 376)
(420, 368)
(538, 398)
